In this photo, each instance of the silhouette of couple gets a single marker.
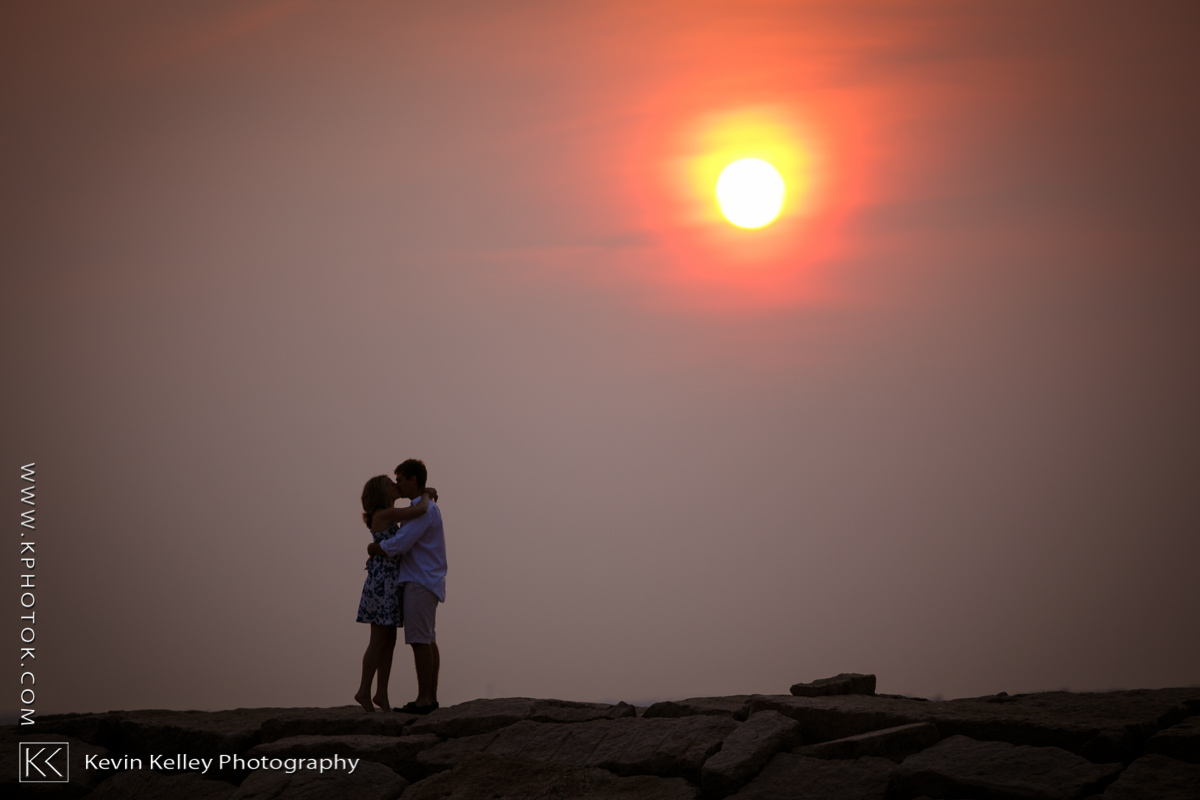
(406, 579)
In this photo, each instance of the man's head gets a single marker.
(410, 477)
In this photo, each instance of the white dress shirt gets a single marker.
(422, 541)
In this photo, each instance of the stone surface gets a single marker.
(788, 777)
(735, 706)
(398, 753)
(671, 740)
(483, 716)
(81, 780)
(1102, 727)
(487, 777)
(143, 784)
(894, 744)
(204, 734)
(1156, 777)
(369, 781)
(630, 746)
(845, 683)
(337, 721)
(1180, 741)
(963, 767)
(745, 751)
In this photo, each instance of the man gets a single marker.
(423, 575)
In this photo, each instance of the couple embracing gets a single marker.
(406, 579)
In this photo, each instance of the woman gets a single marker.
(380, 604)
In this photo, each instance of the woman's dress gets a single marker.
(381, 596)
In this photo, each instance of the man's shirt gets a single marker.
(422, 541)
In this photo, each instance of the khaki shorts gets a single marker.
(420, 608)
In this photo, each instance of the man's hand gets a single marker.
(373, 549)
(432, 492)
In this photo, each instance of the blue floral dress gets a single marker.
(381, 601)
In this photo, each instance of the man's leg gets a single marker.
(437, 666)
(426, 660)
(420, 613)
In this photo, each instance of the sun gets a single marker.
(750, 193)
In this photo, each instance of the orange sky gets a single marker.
(934, 423)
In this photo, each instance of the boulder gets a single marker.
(144, 784)
(894, 744)
(963, 767)
(823, 719)
(1102, 727)
(488, 777)
(735, 706)
(483, 716)
(1180, 741)
(398, 753)
(337, 721)
(845, 683)
(746, 750)
(668, 748)
(369, 781)
(788, 776)
(1156, 777)
(81, 780)
(204, 734)
(96, 729)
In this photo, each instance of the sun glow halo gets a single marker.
(750, 193)
(742, 203)
(756, 168)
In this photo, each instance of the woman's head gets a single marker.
(379, 492)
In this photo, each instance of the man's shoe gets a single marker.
(413, 708)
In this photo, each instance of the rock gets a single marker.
(826, 718)
(963, 767)
(81, 780)
(96, 729)
(1102, 727)
(845, 683)
(144, 784)
(482, 716)
(746, 750)
(398, 753)
(204, 734)
(893, 744)
(369, 781)
(735, 706)
(629, 746)
(1156, 777)
(487, 777)
(788, 776)
(1180, 741)
(337, 721)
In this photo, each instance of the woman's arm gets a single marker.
(391, 516)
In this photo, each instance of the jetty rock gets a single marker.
(830, 738)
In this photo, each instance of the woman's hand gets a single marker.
(432, 492)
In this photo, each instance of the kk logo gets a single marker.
(44, 762)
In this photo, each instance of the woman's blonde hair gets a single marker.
(375, 497)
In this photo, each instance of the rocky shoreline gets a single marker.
(834, 738)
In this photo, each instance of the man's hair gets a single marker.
(413, 468)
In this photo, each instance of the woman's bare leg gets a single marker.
(384, 668)
(370, 664)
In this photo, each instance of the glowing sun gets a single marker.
(750, 193)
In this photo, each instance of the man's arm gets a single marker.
(408, 535)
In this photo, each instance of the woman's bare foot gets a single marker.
(364, 700)
(382, 702)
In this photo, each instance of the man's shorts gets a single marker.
(420, 607)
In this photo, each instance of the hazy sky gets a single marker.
(939, 422)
